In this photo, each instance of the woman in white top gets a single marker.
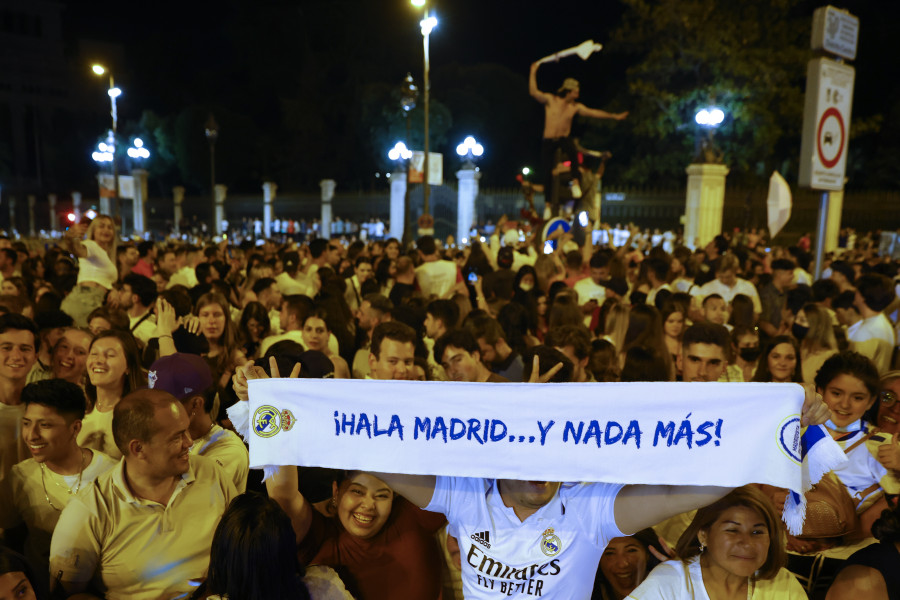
(97, 270)
(732, 550)
(114, 371)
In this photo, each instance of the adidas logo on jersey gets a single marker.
(483, 538)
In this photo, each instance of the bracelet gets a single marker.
(166, 335)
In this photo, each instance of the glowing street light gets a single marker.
(399, 151)
(104, 153)
(470, 148)
(526, 171)
(709, 117)
(137, 150)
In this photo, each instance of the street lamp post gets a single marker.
(212, 133)
(428, 23)
(467, 191)
(409, 93)
(705, 197)
(113, 92)
(709, 118)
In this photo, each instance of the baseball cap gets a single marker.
(181, 374)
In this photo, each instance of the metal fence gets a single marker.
(646, 207)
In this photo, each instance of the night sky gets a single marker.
(194, 52)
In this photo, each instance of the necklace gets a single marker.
(68, 489)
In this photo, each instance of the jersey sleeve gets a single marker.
(451, 493)
(595, 504)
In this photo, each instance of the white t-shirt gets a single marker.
(670, 581)
(436, 278)
(97, 266)
(588, 290)
(552, 554)
(742, 286)
(874, 337)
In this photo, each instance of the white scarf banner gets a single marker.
(722, 434)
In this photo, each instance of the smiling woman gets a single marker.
(114, 370)
(624, 564)
(732, 549)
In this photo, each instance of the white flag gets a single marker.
(779, 203)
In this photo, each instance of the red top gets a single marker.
(400, 561)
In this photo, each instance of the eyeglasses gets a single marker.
(888, 398)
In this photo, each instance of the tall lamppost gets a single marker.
(409, 93)
(212, 133)
(113, 92)
(428, 23)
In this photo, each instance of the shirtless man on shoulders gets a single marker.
(559, 110)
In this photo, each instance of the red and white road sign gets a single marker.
(830, 137)
(826, 124)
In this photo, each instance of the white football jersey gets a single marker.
(552, 554)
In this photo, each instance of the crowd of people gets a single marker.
(121, 474)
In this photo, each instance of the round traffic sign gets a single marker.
(830, 137)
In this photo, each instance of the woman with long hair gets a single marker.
(625, 563)
(645, 329)
(253, 327)
(114, 371)
(732, 550)
(225, 352)
(812, 326)
(254, 557)
(742, 312)
(617, 325)
(673, 315)
(316, 334)
(381, 543)
(780, 361)
(97, 271)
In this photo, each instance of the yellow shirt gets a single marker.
(23, 499)
(137, 549)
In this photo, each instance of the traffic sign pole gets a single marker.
(826, 114)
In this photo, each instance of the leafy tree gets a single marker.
(749, 58)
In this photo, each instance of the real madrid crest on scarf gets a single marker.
(268, 420)
(550, 542)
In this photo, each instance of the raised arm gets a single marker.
(596, 113)
(542, 97)
(418, 489)
(640, 506)
(282, 488)
(73, 237)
